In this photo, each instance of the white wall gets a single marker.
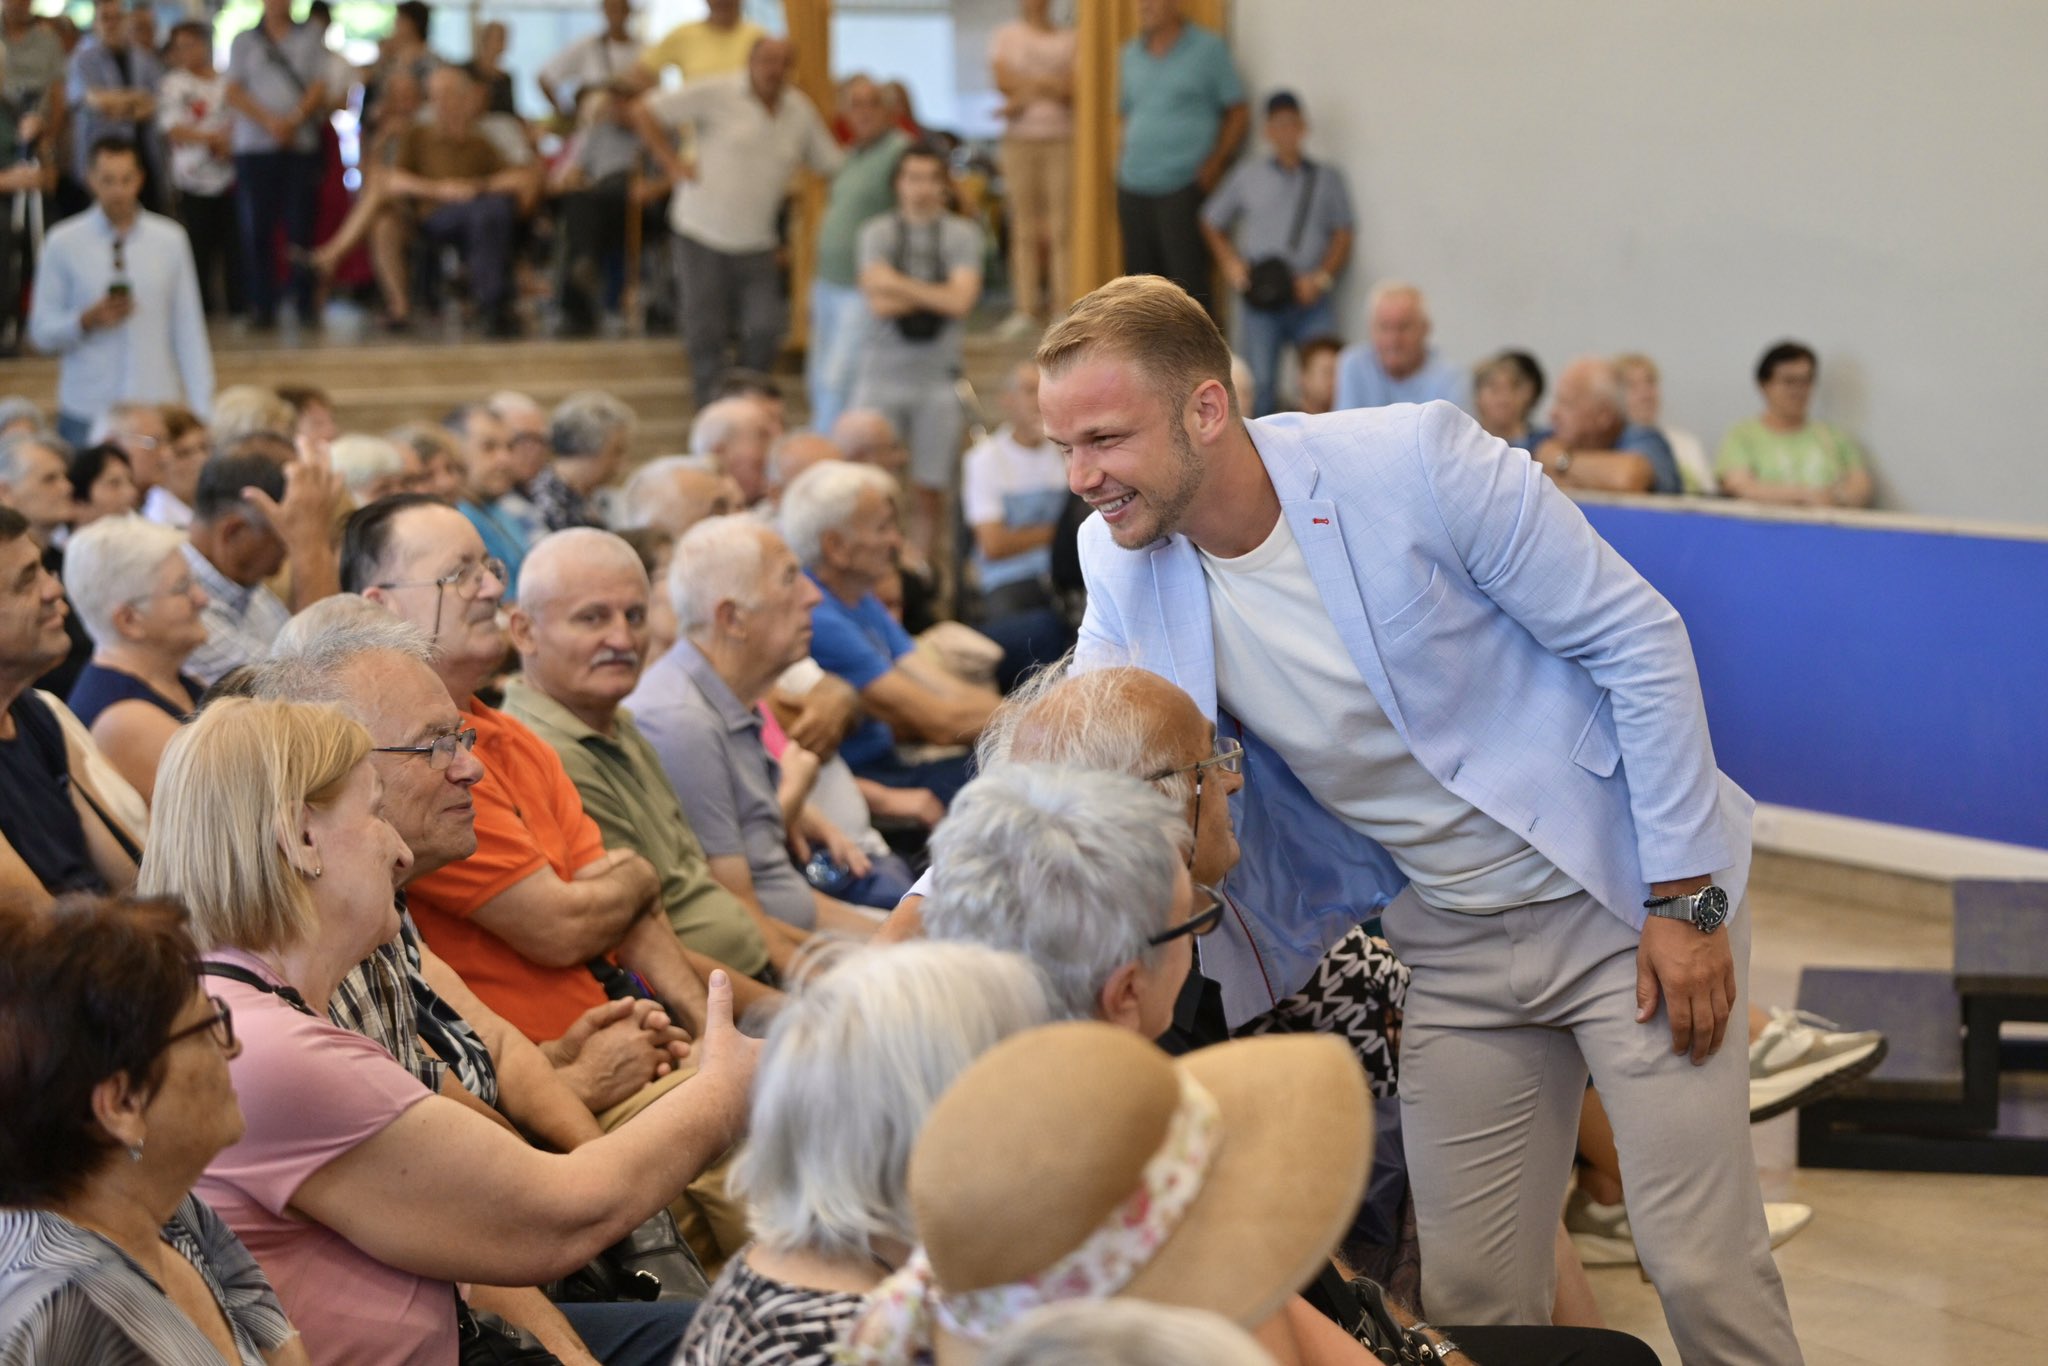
(1696, 180)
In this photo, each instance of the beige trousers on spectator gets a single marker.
(1505, 1016)
(1037, 177)
(711, 1220)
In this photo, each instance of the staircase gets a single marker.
(1957, 1092)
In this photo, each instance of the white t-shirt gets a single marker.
(188, 101)
(1282, 669)
(1017, 486)
(1038, 55)
(746, 154)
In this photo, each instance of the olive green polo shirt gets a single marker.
(626, 793)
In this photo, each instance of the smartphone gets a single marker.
(118, 290)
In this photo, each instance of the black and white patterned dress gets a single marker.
(69, 1295)
(751, 1320)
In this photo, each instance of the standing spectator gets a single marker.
(860, 192)
(1593, 445)
(1013, 489)
(1642, 386)
(1292, 223)
(1395, 365)
(112, 85)
(1034, 69)
(117, 300)
(277, 83)
(32, 65)
(605, 176)
(192, 109)
(1785, 456)
(1184, 117)
(594, 63)
(719, 44)
(752, 132)
(488, 71)
(403, 52)
(920, 269)
(32, 114)
(1319, 375)
(467, 193)
(1505, 392)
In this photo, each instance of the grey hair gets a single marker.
(1384, 290)
(647, 499)
(1603, 381)
(361, 460)
(823, 498)
(14, 408)
(717, 560)
(714, 423)
(314, 651)
(1123, 1332)
(1073, 869)
(107, 565)
(12, 449)
(872, 1042)
(1087, 720)
(585, 421)
(245, 410)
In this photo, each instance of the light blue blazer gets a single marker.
(1522, 660)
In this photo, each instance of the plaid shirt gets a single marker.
(559, 505)
(240, 622)
(385, 997)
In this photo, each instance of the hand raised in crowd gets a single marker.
(111, 311)
(304, 517)
(614, 1049)
(723, 1053)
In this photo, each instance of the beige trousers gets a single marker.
(1037, 179)
(712, 1221)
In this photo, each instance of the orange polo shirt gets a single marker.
(528, 817)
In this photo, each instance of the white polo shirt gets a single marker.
(746, 154)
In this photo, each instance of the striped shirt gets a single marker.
(386, 997)
(67, 1294)
(751, 1318)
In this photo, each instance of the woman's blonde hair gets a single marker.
(1151, 322)
(224, 823)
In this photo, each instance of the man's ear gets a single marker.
(829, 544)
(519, 627)
(1118, 1002)
(1208, 412)
(726, 617)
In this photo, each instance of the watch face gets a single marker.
(1710, 910)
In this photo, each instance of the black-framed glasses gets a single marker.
(1206, 916)
(221, 1024)
(440, 752)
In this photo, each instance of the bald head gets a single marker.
(1157, 717)
(1398, 319)
(677, 492)
(559, 564)
(1590, 410)
(868, 438)
(792, 455)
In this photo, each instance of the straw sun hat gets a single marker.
(1077, 1161)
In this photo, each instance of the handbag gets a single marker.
(487, 1340)
(650, 1263)
(1271, 287)
(923, 324)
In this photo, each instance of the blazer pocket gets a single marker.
(1598, 750)
(1407, 617)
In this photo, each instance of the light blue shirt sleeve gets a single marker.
(53, 319)
(1222, 209)
(1337, 216)
(1354, 376)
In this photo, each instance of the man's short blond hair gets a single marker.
(1148, 320)
(225, 817)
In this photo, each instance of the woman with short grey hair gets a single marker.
(851, 1066)
(130, 583)
(588, 433)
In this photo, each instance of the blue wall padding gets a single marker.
(1897, 676)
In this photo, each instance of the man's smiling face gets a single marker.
(1128, 451)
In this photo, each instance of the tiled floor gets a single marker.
(1895, 1269)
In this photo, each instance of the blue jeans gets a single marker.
(839, 319)
(631, 1334)
(888, 882)
(1266, 332)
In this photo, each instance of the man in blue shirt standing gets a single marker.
(1395, 363)
(117, 301)
(1288, 209)
(1184, 116)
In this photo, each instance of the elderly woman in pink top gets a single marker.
(365, 1196)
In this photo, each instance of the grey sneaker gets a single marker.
(1801, 1057)
(1600, 1233)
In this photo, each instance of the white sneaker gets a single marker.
(1601, 1236)
(1017, 326)
(1801, 1057)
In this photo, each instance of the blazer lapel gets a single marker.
(1184, 613)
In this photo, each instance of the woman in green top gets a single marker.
(1784, 456)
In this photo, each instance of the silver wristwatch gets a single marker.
(1704, 910)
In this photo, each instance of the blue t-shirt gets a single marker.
(860, 642)
(1362, 382)
(501, 537)
(1173, 108)
(1647, 442)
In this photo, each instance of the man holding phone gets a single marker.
(117, 300)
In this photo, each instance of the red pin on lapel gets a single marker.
(1320, 521)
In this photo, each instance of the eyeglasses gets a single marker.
(441, 752)
(1229, 757)
(221, 1024)
(467, 579)
(1207, 916)
(181, 589)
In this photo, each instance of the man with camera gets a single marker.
(1281, 228)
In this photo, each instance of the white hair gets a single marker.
(1089, 721)
(649, 496)
(361, 460)
(824, 498)
(108, 564)
(1385, 290)
(714, 423)
(14, 449)
(553, 562)
(851, 1066)
(1073, 869)
(313, 653)
(1602, 378)
(717, 560)
(1123, 1332)
(585, 421)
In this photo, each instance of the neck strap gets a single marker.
(234, 973)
